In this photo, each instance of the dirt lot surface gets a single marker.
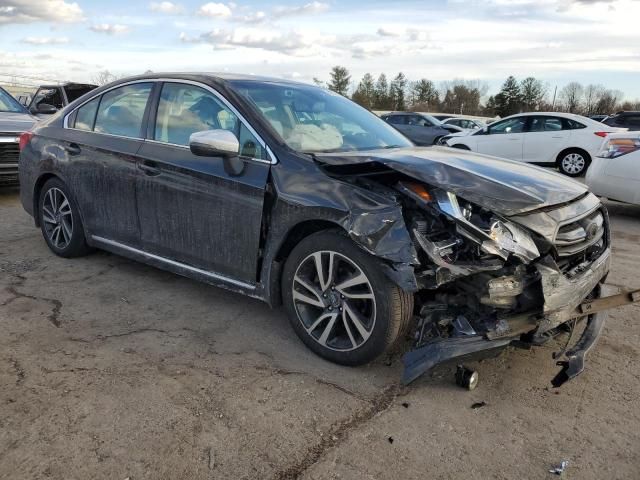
(112, 369)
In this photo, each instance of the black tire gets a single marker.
(436, 141)
(573, 162)
(460, 146)
(393, 306)
(70, 229)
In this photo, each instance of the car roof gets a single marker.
(68, 84)
(219, 76)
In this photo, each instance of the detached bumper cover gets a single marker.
(574, 364)
(424, 358)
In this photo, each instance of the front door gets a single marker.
(205, 212)
(504, 139)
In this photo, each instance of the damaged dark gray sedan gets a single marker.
(297, 196)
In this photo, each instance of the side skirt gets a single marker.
(211, 278)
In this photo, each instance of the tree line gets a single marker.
(469, 96)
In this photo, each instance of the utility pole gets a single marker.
(553, 104)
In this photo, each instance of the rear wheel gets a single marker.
(573, 163)
(339, 301)
(60, 220)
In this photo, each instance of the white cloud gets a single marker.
(390, 31)
(253, 18)
(166, 7)
(109, 28)
(45, 40)
(27, 11)
(294, 43)
(213, 9)
(306, 9)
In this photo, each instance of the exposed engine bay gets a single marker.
(484, 278)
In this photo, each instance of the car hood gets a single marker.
(503, 186)
(16, 122)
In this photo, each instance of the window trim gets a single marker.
(153, 106)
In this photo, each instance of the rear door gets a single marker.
(504, 139)
(201, 211)
(101, 143)
(420, 130)
(545, 137)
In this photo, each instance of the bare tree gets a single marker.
(571, 96)
(592, 95)
(104, 77)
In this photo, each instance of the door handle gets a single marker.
(73, 149)
(149, 170)
(557, 136)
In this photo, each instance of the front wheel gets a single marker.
(339, 301)
(573, 163)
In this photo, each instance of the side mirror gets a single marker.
(46, 109)
(214, 143)
(485, 130)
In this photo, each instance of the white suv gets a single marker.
(550, 139)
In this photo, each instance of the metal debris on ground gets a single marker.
(560, 469)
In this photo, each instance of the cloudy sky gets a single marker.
(589, 41)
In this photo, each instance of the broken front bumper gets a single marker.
(562, 297)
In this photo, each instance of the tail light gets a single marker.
(25, 138)
(617, 147)
(601, 134)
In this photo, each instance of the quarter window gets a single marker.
(121, 110)
(86, 116)
(186, 109)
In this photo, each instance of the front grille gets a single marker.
(9, 153)
(579, 243)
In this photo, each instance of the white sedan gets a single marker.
(562, 140)
(615, 171)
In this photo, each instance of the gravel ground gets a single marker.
(112, 369)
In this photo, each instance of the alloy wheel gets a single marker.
(334, 301)
(57, 217)
(573, 163)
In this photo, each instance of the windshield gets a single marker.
(314, 120)
(9, 104)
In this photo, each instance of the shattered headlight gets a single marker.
(512, 238)
(501, 238)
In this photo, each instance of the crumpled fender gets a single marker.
(372, 220)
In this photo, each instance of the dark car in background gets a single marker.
(295, 195)
(421, 129)
(629, 120)
(14, 120)
(48, 99)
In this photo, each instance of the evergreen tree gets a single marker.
(382, 99)
(424, 95)
(365, 94)
(340, 80)
(509, 100)
(396, 92)
(533, 92)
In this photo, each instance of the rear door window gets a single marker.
(121, 110)
(76, 91)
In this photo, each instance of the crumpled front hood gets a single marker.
(504, 186)
(11, 122)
